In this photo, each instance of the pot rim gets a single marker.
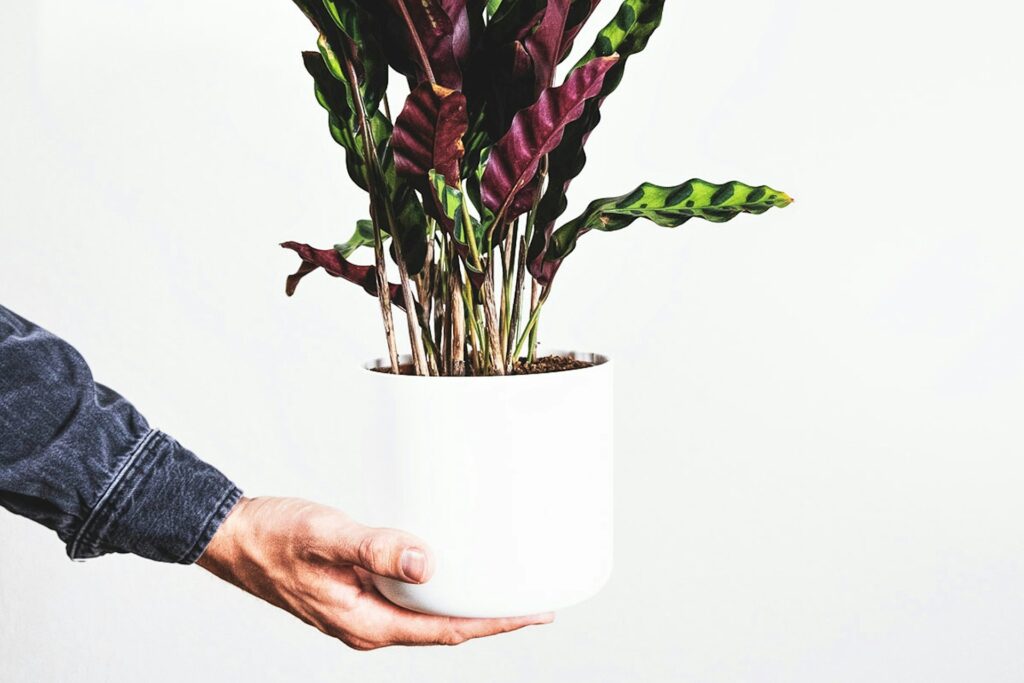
(601, 362)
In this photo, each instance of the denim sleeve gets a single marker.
(79, 459)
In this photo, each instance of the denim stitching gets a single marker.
(84, 537)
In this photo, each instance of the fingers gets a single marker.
(379, 623)
(403, 627)
(385, 552)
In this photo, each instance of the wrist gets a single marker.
(224, 544)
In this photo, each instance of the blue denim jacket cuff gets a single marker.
(164, 504)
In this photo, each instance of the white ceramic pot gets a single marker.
(507, 479)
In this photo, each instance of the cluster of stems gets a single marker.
(457, 323)
(463, 325)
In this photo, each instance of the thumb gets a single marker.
(389, 552)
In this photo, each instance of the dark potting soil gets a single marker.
(547, 364)
(539, 366)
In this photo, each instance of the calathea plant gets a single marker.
(468, 182)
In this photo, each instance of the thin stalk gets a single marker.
(493, 327)
(517, 305)
(531, 225)
(532, 325)
(416, 338)
(467, 225)
(457, 313)
(426, 283)
(442, 307)
(425, 280)
(508, 260)
(384, 294)
(535, 304)
(494, 348)
(428, 341)
(370, 151)
(505, 304)
(432, 357)
(531, 217)
(475, 332)
(411, 28)
(383, 286)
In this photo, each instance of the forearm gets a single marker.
(81, 460)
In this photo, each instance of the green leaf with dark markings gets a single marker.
(626, 35)
(335, 97)
(410, 220)
(341, 24)
(628, 32)
(668, 207)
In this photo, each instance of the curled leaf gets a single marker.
(346, 30)
(334, 97)
(334, 264)
(626, 35)
(665, 206)
(508, 186)
(362, 237)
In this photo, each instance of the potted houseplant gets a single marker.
(466, 183)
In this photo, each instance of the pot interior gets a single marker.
(586, 357)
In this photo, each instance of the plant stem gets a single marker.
(410, 26)
(377, 183)
(442, 321)
(384, 296)
(535, 304)
(517, 305)
(493, 327)
(531, 226)
(383, 286)
(474, 327)
(531, 326)
(467, 225)
(457, 312)
(508, 260)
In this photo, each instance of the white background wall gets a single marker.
(819, 441)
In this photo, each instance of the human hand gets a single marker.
(315, 562)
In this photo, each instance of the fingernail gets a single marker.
(414, 564)
(544, 618)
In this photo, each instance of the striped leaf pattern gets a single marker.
(629, 31)
(428, 133)
(343, 26)
(344, 125)
(333, 97)
(668, 207)
(626, 35)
